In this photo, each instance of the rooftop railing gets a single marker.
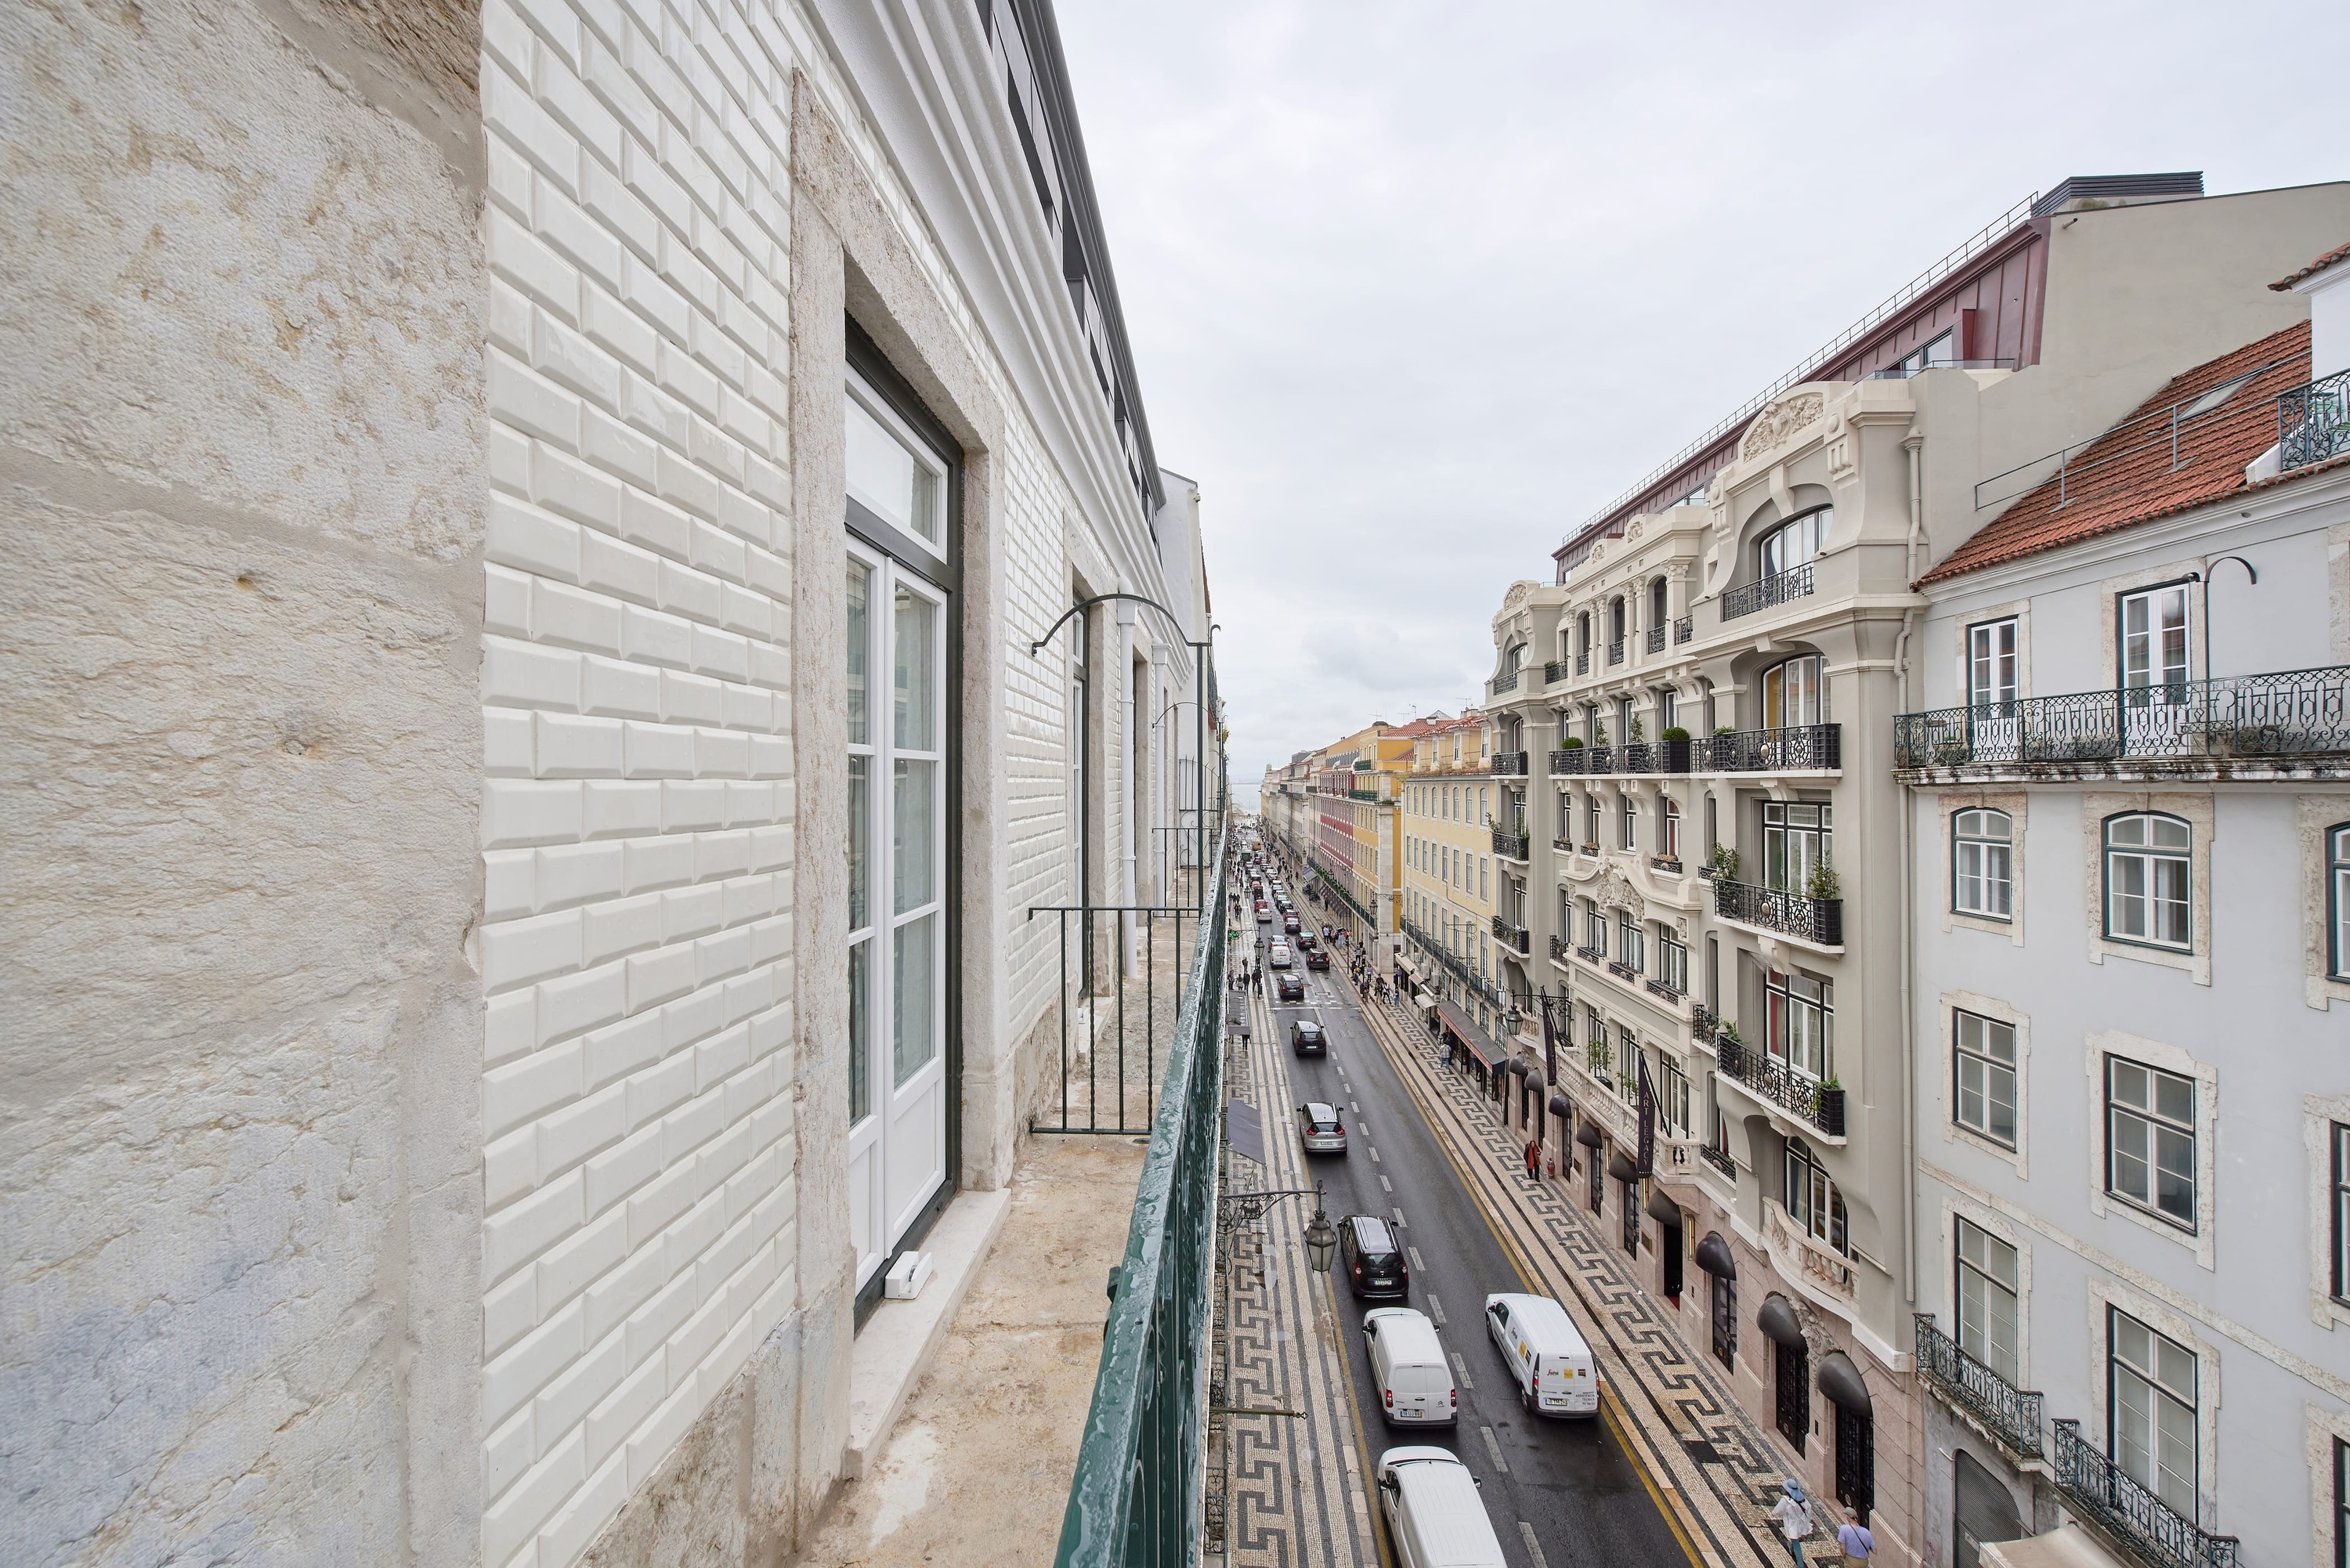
(2290, 713)
(2313, 421)
(2010, 1414)
(2115, 1501)
(1778, 589)
(1780, 911)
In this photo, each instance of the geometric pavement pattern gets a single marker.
(1718, 1471)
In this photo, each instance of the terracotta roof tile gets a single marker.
(2126, 476)
(2320, 265)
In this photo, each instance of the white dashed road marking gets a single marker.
(1493, 1446)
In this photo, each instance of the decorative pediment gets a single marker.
(1517, 595)
(1780, 421)
(1616, 892)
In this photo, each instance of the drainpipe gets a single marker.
(1129, 614)
(1908, 805)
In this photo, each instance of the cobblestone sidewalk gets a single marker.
(1717, 1471)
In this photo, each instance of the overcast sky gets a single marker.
(1414, 288)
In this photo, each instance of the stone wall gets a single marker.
(242, 482)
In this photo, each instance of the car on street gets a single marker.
(1408, 1368)
(1306, 1038)
(1279, 956)
(1546, 1355)
(1264, 915)
(1309, 938)
(1373, 1261)
(1289, 924)
(1319, 1128)
(1289, 986)
(1318, 957)
(1434, 1514)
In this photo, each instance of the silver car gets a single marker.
(1319, 1128)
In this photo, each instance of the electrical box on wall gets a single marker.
(907, 1276)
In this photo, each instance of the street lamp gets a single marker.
(1321, 1236)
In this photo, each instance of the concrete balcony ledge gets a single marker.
(900, 1340)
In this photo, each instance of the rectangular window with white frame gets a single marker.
(1631, 949)
(1989, 1311)
(1982, 863)
(2148, 875)
(1672, 961)
(2154, 641)
(1669, 829)
(2151, 1385)
(1983, 1095)
(1990, 664)
(2150, 1136)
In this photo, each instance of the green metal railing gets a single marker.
(1135, 1500)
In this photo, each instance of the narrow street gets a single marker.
(1558, 1491)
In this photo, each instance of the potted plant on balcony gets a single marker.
(1721, 864)
(1570, 754)
(1831, 1106)
(1603, 755)
(1676, 749)
(1823, 886)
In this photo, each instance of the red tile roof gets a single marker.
(2313, 268)
(2126, 476)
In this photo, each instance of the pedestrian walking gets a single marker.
(1534, 1161)
(1857, 1543)
(1794, 1518)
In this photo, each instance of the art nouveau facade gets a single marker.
(593, 587)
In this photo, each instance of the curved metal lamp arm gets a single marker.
(1082, 605)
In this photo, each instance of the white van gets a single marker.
(1433, 1512)
(1279, 957)
(1547, 1355)
(1408, 1365)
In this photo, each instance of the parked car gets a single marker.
(1279, 957)
(1408, 1368)
(1289, 986)
(1318, 957)
(1306, 1038)
(1264, 915)
(1371, 1257)
(1546, 1355)
(1309, 938)
(1319, 1128)
(1289, 924)
(1433, 1512)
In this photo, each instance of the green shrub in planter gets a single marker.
(1572, 743)
(1674, 733)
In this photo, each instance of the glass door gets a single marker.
(2154, 670)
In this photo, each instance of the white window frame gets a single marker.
(2152, 863)
(1982, 863)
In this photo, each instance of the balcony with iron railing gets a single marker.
(1720, 1159)
(2313, 422)
(1616, 651)
(1567, 761)
(2287, 718)
(1797, 748)
(2112, 1501)
(1512, 845)
(1780, 912)
(1657, 638)
(1510, 765)
(1583, 662)
(1500, 683)
(2009, 1416)
(1684, 630)
(1773, 1083)
(1554, 671)
(1558, 949)
(1517, 939)
(1778, 589)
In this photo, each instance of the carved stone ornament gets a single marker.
(1677, 571)
(1598, 552)
(1618, 893)
(1517, 595)
(1780, 421)
(1632, 529)
(1680, 925)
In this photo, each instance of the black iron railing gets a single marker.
(1641, 757)
(1657, 638)
(1616, 651)
(2010, 1414)
(2313, 421)
(1566, 762)
(1719, 1159)
(1517, 939)
(1559, 949)
(1702, 1022)
(1683, 629)
(1583, 662)
(1602, 758)
(1816, 747)
(1776, 1083)
(2114, 1500)
(2288, 713)
(1500, 683)
(1511, 845)
(1554, 671)
(1510, 765)
(1790, 914)
(1775, 589)
(1671, 863)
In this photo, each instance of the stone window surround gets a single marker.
(2202, 1241)
(2316, 814)
(1991, 1222)
(1953, 1130)
(2104, 1293)
(2017, 610)
(2016, 804)
(2109, 596)
(2318, 1114)
(2321, 1428)
(2197, 811)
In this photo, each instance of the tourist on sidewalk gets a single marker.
(1534, 1161)
(1859, 1544)
(1794, 1518)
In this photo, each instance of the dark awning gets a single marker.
(1518, 1067)
(1777, 1319)
(1588, 1135)
(1839, 1379)
(1560, 1108)
(1458, 1024)
(1621, 1167)
(1663, 1209)
(1246, 1129)
(1714, 1256)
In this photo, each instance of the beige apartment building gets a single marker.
(1697, 717)
(1458, 897)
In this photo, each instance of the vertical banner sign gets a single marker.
(1648, 1120)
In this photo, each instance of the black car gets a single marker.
(1308, 940)
(1307, 1039)
(1370, 1258)
(1289, 986)
(1318, 957)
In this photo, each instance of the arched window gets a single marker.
(1812, 1200)
(1794, 693)
(2338, 895)
(1656, 602)
(1793, 542)
(2147, 881)
(1583, 632)
(1514, 659)
(1981, 863)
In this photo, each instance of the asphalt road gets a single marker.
(1560, 1492)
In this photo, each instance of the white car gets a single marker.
(1546, 1355)
(1434, 1514)
(1279, 957)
